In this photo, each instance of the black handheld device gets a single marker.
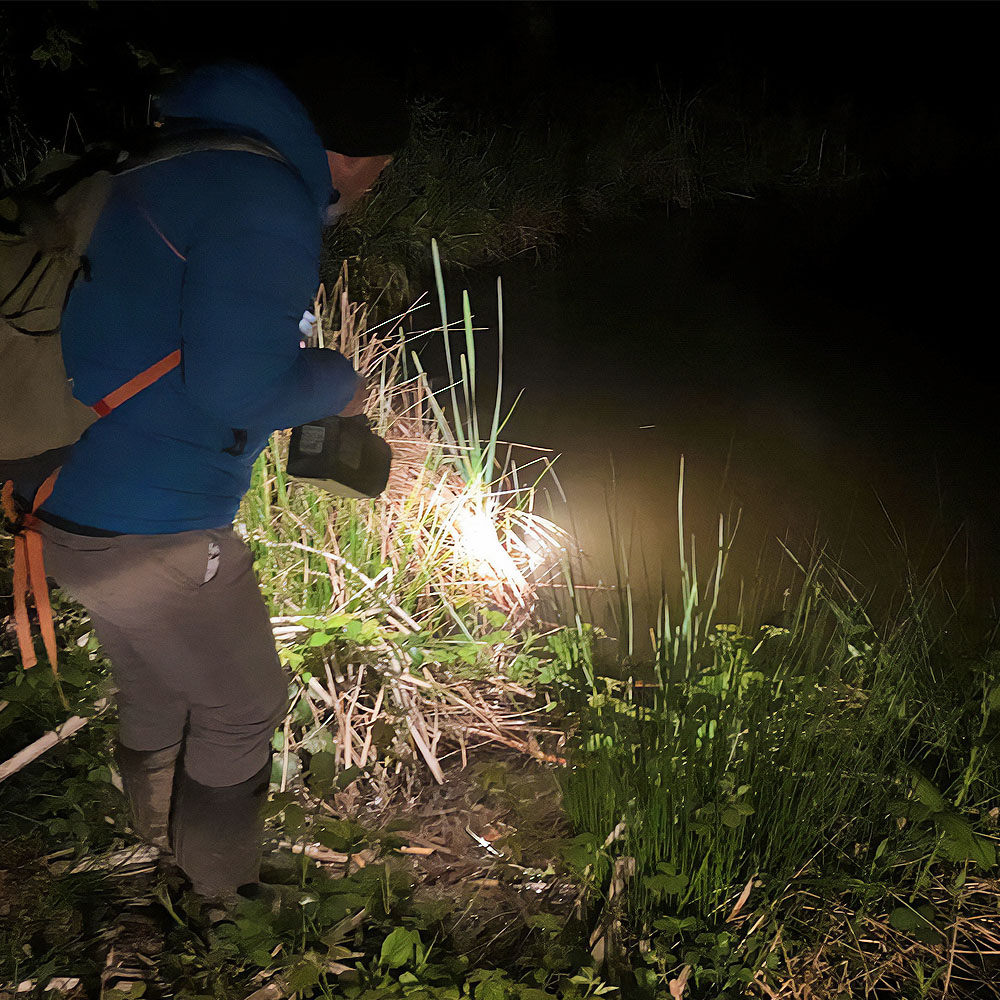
(341, 455)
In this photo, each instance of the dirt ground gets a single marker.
(482, 851)
(485, 845)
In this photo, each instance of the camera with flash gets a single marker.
(341, 455)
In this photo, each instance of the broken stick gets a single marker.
(35, 750)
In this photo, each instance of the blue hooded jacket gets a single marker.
(249, 231)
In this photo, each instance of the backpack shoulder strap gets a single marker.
(198, 141)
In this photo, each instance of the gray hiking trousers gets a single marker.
(189, 638)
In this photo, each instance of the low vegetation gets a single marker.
(469, 802)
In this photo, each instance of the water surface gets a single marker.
(815, 364)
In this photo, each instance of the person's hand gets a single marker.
(308, 328)
(357, 404)
(307, 325)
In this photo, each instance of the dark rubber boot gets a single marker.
(148, 779)
(218, 833)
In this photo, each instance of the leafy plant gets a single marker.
(752, 765)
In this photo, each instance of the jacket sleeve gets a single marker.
(251, 267)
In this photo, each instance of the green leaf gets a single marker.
(993, 700)
(319, 741)
(343, 928)
(732, 817)
(961, 843)
(277, 804)
(290, 658)
(302, 975)
(742, 975)
(545, 922)
(673, 926)
(491, 991)
(667, 885)
(369, 631)
(295, 817)
(278, 767)
(468, 652)
(911, 809)
(581, 851)
(323, 766)
(905, 918)
(925, 792)
(399, 948)
(348, 775)
(332, 840)
(261, 956)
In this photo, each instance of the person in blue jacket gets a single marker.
(215, 252)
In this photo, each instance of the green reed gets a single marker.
(779, 758)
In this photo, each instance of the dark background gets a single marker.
(825, 363)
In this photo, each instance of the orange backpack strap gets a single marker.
(29, 565)
(135, 385)
(29, 578)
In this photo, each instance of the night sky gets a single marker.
(832, 351)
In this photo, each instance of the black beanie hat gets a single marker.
(358, 112)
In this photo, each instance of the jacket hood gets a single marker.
(250, 99)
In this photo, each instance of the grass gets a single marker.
(455, 533)
(436, 576)
(489, 191)
(811, 805)
(745, 786)
(395, 617)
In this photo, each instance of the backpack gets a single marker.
(45, 228)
